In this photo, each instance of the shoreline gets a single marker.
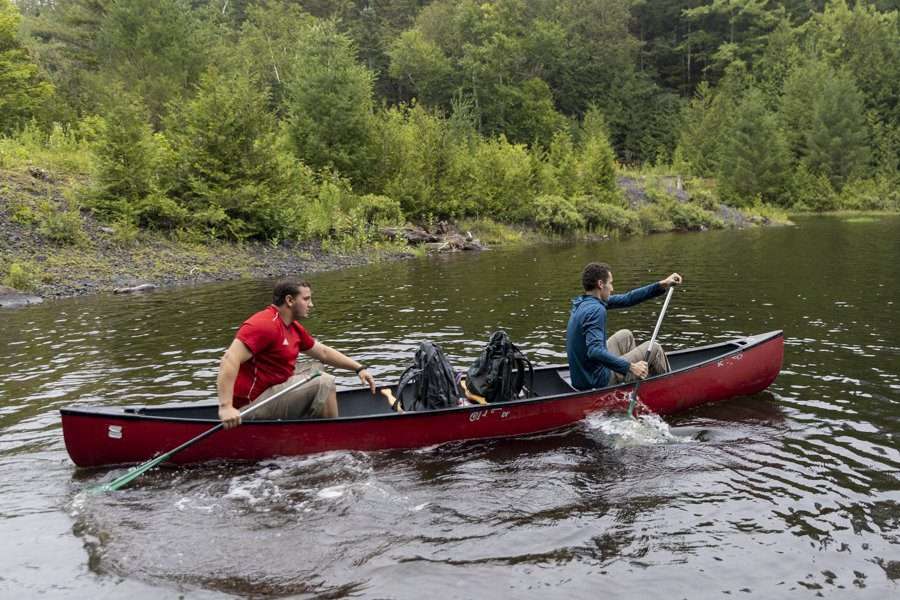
(49, 250)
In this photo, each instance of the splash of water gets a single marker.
(621, 431)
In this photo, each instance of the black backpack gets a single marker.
(491, 375)
(435, 384)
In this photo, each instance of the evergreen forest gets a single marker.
(328, 119)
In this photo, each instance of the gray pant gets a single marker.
(621, 343)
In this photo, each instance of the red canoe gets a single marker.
(98, 436)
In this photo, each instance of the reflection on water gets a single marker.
(793, 492)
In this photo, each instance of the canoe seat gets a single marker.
(550, 382)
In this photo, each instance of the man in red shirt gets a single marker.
(261, 361)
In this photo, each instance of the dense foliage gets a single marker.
(304, 119)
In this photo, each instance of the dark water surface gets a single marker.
(792, 493)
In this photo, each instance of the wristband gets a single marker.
(361, 368)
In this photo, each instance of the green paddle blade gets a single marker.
(129, 476)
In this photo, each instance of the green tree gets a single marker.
(838, 141)
(126, 158)
(330, 103)
(156, 48)
(824, 116)
(802, 86)
(755, 160)
(415, 150)
(708, 119)
(64, 40)
(866, 42)
(420, 66)
(268, 45)
(233, 171)
(22, 90)
(740, 29)
(781, 55)
(596, 171)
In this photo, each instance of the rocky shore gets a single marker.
(101, 261)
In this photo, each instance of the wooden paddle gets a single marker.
(634, 392)
(139, 470)
(395, 404)
(469, 395)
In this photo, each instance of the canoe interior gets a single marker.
(548, 381)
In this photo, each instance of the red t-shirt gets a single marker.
(275, 347)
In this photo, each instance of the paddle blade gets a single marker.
(631, 404)
(132, 474)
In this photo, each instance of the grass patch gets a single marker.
(492, 233)
(63, 150)
(773, 214)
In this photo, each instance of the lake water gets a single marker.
(791, 493)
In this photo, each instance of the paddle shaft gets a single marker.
(634, 392)
(139, 470)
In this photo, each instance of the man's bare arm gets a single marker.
(229, 366)
(334, 358)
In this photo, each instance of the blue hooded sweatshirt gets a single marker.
(589, 360)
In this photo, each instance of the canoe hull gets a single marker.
(96, 436)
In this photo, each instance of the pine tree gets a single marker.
(330, 103)
(156, 48)
(708, 119)
(823, 115)
(596, 171)
(755, 160)
(232, 170)
(125, 158)
(838, 140)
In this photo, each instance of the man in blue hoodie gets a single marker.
(594, 360)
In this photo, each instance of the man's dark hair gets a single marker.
(287, 287)
(592, 273)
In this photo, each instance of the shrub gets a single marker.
(160, 211)
(556, 214)
(233, 170)
(21, 212)
(607, 217)
(596, 160)
(126, 155)
(501, 183)
(416, 152)
(490, 232)
(691, 217)
(327, 214)
(811, 192)
(654, 219)
(62, 225)
(125, 232)
(64, 148)
(22, 276)
(869, 194)
(703, 193)
(377, 210)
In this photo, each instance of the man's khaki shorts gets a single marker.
(304, 401)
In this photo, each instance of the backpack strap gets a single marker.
(521, 362)
(410, 375)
